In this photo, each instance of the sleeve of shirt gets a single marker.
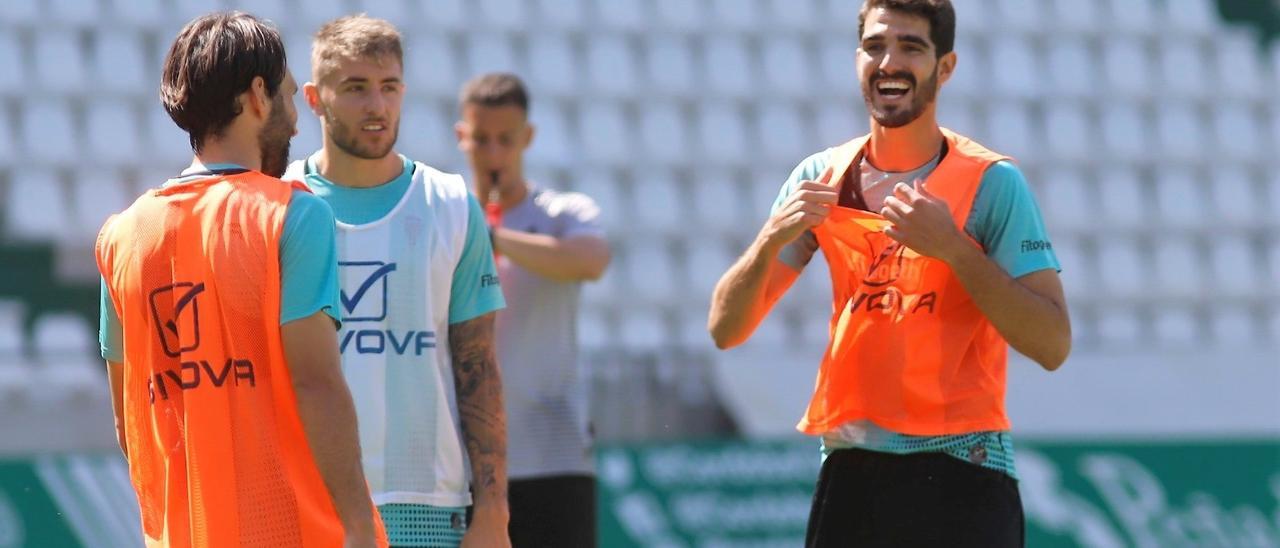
(110, 333)
(1007, 222)
(581, 216)
(308, 260)
(475, 289)
(798, 253)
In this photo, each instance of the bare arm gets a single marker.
(484, 426)
(115, 380)
(561, 259)
(1030, 312)
(329, 418)
(746, 293)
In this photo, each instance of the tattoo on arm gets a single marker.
(484, 424)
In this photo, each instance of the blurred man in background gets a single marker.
(938, 257)
(218, 315)
(419, 293)
(549, 242)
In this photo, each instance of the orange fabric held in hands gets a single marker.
(217, 452)
(909, 349)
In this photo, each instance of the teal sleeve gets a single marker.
(308, 260)
(110, 334)
(475, 281)
(797, 254)
(1007, 222)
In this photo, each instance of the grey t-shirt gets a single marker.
(537, 342)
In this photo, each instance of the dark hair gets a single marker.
(213, 60)
(939, 13)
(495, 89)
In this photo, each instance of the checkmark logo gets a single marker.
(175, 310)
(360, 280)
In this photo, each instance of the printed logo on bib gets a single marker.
(176, 314)
(175, 311)
(364, 290)
(878, 292)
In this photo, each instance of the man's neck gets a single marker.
(226, 152)
(343, 169)
(904, 148)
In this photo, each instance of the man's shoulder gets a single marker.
(555, 203)
(448, 186)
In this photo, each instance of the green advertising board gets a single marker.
(1075, 494)
(67, 501)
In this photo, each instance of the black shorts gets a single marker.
(553, 511)
(866, 498)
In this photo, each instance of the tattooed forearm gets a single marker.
(480, 408)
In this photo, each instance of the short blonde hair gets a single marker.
(353, 37)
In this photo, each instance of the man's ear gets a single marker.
(256, 99)
(311, 94)
(529, 132)
(946, 67)
(460, 132)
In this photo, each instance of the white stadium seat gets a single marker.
(489, 52)
(603, 128)
(728, 66)
(657, 197)
(48, 133)
(553, 141)
(59, 62)
(113, 133)
(119, 63)
(782, 58)
(624, 15)
(663, 132)
(502, 14)
(36, 206)
(562, 14)
(783, 134)
(669, 65)
(440, 73)
(1183, 71)
(722, 132)
(678, 15)
(553, 68)
(611, 67)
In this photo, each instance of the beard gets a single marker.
(273, 139)
(344, 138)
(894, 116)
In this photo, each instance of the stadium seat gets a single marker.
(1011, 130)
(281, 14)
(1176, 326)
(1177, 268)
(717, 205)
(502, 14)
(595, 333)
(1020, 16)
(120, 66)
(1234, 270)
(1180, 201)
(669, 65)
(1122, 267)
(1124, 132)
(839, 68)
(611, 67)
(112, 133)
(728, 66)
(12, 314)
(644, 330)
(8, 146)
(553, 143)
(79, 13)
(36, 207)
(58, 336)
(746, 16)
(444, 15)
(319, 12)
(186, 10)
(297, 48)
(395, 11)
(803, 14)
(1194, 18)
(604, 133)
(1238, 60)
(1273, 265)
(553, 67)
(1121, 198)
(1178, 125)
(19, 12)
(18, 381)
(1079, 275)
(678, 15)
(651, 277)
(1119, 326)
(663, 132)
(13, 80)
(1076, 16)
(93, 200)
(167, 144)
(765, 190)
(59, 62)
(772, 334)
(811, 293)
(489, 52)
(440, 74)
(722, 132)
(1133, 17)
(1015, 69)
(782, 132)
(657, 199)
(839, 13)
(836, 123)
(1183, 71)
(606, 291)
(48, 133)
(1068, 201)
(1235, 197)
(1069, 132)
(310, 136)
(623, 15)
(782, 57)
(425, 131)
(1072, 68)
(1127, 68)
(1232, 325)
(1236, 131)
(562, 14)
(708, 258)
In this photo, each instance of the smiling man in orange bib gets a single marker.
(939, 260)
